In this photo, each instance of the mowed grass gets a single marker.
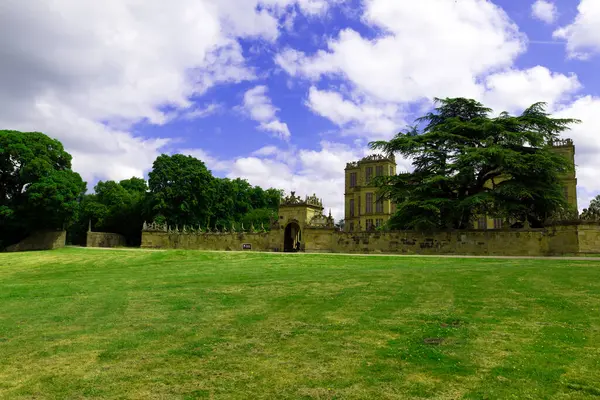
(80, 323)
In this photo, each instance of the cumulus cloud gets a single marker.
(544, 11)
(582, 34)
(257, 105)
(426, 49)
(514, 90)
(85, 72)
(358, 116)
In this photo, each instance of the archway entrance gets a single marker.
(292, 237)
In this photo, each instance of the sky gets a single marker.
(284, 93)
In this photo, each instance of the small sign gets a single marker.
(246, 246)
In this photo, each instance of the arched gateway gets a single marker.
(295, 216)
(292, 237)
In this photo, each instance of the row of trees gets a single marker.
(39, 190)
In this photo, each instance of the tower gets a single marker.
(363, 209)
(566, 148)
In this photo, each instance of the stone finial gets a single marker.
(233, 227)
(242, 227)
(262, 227)
(145, 226)
(90, 225)
(252, 230)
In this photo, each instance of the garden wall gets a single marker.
(210, 241)
(531, 242)
(105, 239)
(43, 240)
(557, 240)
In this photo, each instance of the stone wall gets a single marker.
(210, 241)
(531, 242)
(43, 240)
(588, 238)
(557, 240)
(105, 239)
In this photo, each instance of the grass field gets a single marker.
(80, 323)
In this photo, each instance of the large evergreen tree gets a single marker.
(468, 163)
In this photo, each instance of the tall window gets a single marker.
(369, 204)
(379, 206)
(378, 222)
(351, 226)
(352, 207)
(482, 222)
(391, 170)
(498, 223)
(370, 225)
(566, 193)
(352, 179)
(379, 170)
(369, 175)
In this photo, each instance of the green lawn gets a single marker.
(80, 323)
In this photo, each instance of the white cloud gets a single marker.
(544, 11)
(514, 90)
(202, 112)
(257, 105)
(430, 48)
(358, 116)
(582, 35)
(84, 72)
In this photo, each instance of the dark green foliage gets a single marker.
(182, 189)
(467, 163)
(184, 192)
(38, 189)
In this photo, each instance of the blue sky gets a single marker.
(285, 92)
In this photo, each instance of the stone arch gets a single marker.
(292, 237)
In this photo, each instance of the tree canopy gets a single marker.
(38, 189)
(467, 163)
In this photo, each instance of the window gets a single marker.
(482, 222)
(379, 170)
(369, 175)
(370, 225)
(378, 222)
(566, 193)
(351, 226)
(391, 170)
(353, 179)
(358, 212)
(352, 207)
(369, 203)
(379, 206)
(498, 223)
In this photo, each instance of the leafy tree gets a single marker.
(182, 190)
(593, 211)
(38, 189)
(468, 163)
